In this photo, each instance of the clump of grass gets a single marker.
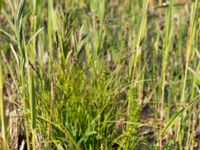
(101, 74)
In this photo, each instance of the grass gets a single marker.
(113, 74)
(3, 126)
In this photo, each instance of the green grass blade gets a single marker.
(2, 109)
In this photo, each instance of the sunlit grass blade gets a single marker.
(32, 101)
(2, 109)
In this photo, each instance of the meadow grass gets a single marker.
(100, 74)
